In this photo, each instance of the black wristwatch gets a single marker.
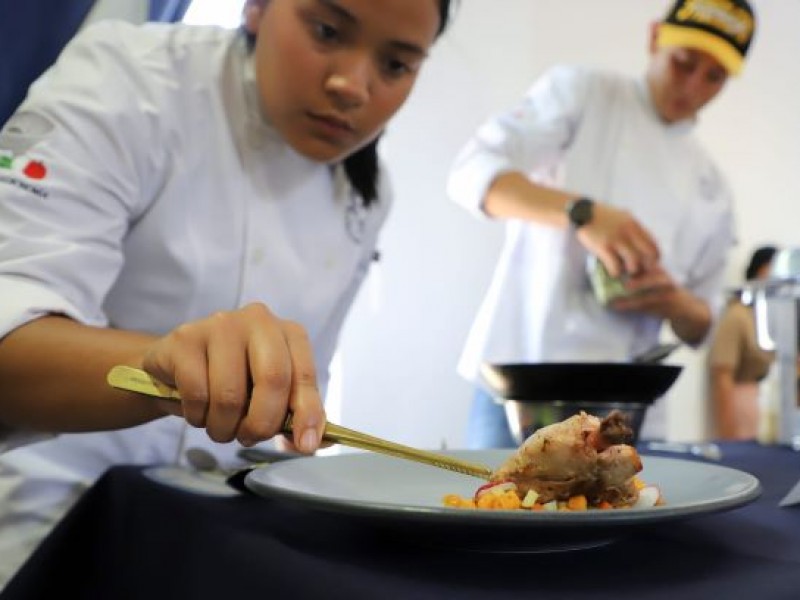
(580, 211)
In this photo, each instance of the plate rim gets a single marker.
(446, 515)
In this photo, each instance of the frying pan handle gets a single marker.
(656, 354)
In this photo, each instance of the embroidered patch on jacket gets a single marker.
(19, 135)
(23, 172)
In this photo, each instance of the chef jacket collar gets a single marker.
(251, 129)
(258, 127)
(678, 128)
(253, 132)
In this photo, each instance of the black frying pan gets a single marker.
(571, 382)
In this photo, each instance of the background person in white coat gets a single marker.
(594, 163)
(201, 203)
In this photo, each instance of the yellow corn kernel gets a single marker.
(577, 503)
(456, 501)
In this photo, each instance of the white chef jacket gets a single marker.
(140, 188)
(598, 134)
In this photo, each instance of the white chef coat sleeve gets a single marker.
(534, 135)
(12, 438)
(72, 167)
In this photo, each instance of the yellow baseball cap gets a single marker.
(723, 28)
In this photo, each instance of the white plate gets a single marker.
(406, 497)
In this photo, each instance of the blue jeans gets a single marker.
(487, 426)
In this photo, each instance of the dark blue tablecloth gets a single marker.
(130, 537)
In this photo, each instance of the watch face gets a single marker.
(580, 212)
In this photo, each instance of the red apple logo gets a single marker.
(35, 170)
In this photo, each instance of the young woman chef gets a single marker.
(200, 203)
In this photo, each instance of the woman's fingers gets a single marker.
(284, 378)
(179, 360)
(291, 388)
(227, 376)
(239, 373)
(270, 370)
(305, 402)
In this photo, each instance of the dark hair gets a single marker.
(361, 167)
(761, 256)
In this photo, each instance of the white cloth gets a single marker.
(165, 196)
(597, 134)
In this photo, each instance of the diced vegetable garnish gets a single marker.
(530, 499)
(499, 499)
(495, 487)
(649, 497)
(505, 496)
(577, 503)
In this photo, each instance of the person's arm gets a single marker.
(704, 300)
(723, 356)
(490, 176)
(722, 386)
(238, 373)
(689, 317)
(655, 292)
(54, 369)
(613, 235)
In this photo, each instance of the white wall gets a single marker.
(402, 341)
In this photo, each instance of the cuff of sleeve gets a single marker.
(25, 300)
(472, 177)
(11, 439)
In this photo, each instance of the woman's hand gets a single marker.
(621, 243)
(238, 373)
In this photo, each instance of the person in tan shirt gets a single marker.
(737, 364)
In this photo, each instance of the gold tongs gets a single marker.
(136, 380)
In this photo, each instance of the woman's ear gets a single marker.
(251, 15)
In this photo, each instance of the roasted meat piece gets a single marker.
(580, 455)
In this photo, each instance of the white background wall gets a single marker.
(403, 338)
